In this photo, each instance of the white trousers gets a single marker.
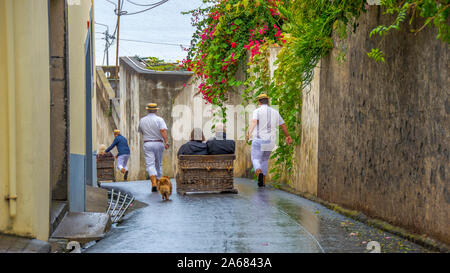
(153, 153)
(261, 154)
(122, 161)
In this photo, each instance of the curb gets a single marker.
(377, 223)
(10, 243)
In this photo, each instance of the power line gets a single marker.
(109, 39)
(142, 5)
(116, 13)
(144, 10)
(120, 6)
(120, 12)
(156, 43)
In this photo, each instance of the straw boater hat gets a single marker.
(262, 96)
(152, 106)
(117, 131)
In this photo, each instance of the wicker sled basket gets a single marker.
(105, 167)
(205, 173)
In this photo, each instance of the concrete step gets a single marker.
(83, 227)
(96, 199)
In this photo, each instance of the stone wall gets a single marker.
(138, 87)
(105, 108)
(59, 92)
(384, 135)
(304, 172)
(192, 112)
(303, 176)
(170, 90)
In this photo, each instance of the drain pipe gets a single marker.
(12, 197)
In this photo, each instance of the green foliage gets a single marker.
(435, 11)
(221, 41)
(154, 63)
(376, 54)
(308, 28)
(228, 30)
(235, 32)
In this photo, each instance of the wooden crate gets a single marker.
(105, 167)
(205, 173)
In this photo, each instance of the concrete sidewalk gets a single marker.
(15, 244)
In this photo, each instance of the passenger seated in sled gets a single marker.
(195, 146)
(219, 144)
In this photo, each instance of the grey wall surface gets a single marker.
(193, 112)
(59, 100)
(138, 87)
(384, 134)
(106, 110)
(77, 188)
(162, 89)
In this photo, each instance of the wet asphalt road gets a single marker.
(254, 220)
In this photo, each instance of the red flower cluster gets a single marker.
(208, 33)
(255, 43)
(274, 10)
(187, 64)
(260, 31)
(216, 78)
(215, 15)
(253, 46)
(278, 34)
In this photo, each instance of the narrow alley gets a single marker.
(276, 127)
(264, 220)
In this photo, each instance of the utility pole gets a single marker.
(107, 42)
(107, 49)
(117, 46)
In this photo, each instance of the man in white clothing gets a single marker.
(266, 120)
(154, 134)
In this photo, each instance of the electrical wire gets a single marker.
(156, 43)
(144, 10)
(142, 5)
(120, 12)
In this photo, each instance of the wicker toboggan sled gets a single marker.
(205, 173)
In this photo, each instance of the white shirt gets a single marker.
(150, 127)
(269, 120)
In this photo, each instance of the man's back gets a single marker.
(269, 120)
(122, 145)
(150, 127)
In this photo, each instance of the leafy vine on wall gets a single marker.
(234, 32)
(434, 12)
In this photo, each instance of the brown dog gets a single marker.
(164, 186)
